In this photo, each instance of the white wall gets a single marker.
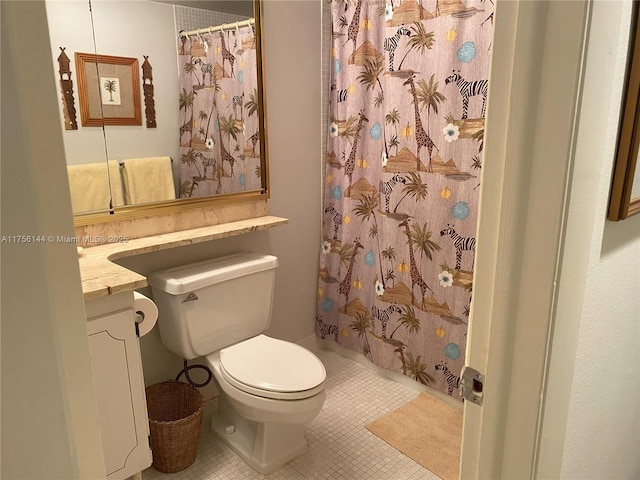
(603, 428)
(591, 427)
(294, 139)
(49, 416)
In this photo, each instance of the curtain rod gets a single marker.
(219, 28)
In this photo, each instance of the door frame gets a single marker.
(535, 81)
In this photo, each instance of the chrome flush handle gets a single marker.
(190, 298)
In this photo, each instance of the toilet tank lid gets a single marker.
(187, 278)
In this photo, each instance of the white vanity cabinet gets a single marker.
(119, 386)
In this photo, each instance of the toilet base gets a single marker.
(265, 447)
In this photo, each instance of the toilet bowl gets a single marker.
(269, 388)
(262, 411)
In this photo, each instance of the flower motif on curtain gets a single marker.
(404, 156)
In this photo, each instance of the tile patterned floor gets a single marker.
(340, 447)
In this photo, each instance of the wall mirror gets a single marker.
(193, 72)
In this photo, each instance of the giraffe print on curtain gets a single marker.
(218, 99)
(404, 157)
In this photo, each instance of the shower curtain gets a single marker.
(218, 100)
(408, 96)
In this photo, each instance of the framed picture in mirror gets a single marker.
(625, 186)
(108, 90)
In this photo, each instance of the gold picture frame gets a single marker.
(108, 90)
(625, 187)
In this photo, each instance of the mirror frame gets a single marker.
(622, 203)
(181, 204)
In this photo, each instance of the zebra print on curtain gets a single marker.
(404, 155)
(219, 136)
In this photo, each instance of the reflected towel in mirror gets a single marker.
(89, 186)
(148, 180)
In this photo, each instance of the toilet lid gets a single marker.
(273, 368)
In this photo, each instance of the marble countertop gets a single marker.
(102, 277)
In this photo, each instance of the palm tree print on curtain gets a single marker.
(218, 101)
(404, 155)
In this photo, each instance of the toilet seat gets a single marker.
(272, 368)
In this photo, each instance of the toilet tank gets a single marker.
(206, 306)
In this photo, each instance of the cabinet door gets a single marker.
(119, 384)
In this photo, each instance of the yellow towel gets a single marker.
(117, 192)
(148, 180)
(89, 186)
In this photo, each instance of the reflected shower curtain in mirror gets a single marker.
(219, 135)
(404, 155)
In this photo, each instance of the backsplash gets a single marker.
(131, 228)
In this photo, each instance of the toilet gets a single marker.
(269, 388)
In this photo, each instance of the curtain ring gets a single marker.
(237, 28)
(222, 28)
(210, 31)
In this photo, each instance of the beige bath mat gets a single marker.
(427, 430)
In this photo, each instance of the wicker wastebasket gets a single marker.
(175, 415)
